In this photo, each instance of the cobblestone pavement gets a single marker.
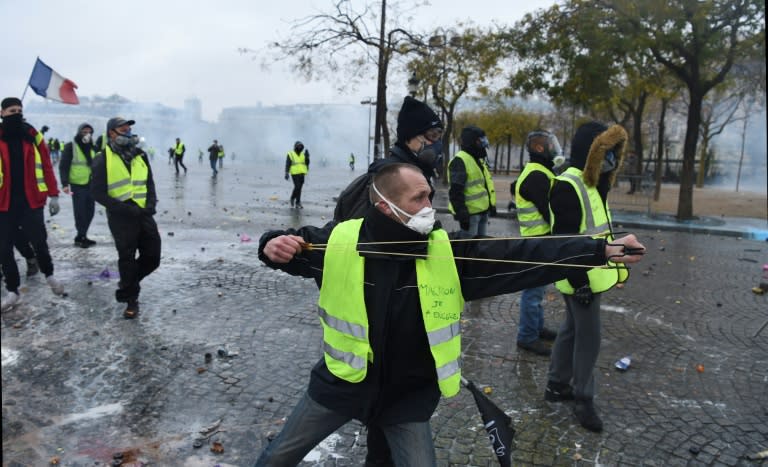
(80, 383)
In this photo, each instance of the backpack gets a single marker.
(353, 201)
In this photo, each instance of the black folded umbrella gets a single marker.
(498, 425)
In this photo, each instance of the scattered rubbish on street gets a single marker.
(758, 455)
(217, 447)
(700, 368)
(245, 238)
(694, 450)
(623, 363)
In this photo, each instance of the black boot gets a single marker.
(558, 392)
(585, 412)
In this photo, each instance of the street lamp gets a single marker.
(370, 103)
(413, 84)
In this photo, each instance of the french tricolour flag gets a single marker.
(51, 85)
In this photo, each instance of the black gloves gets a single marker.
(286, 176)
(464, 225)
(492, 211)
(462, 217)
(150, 210)
(583, 295)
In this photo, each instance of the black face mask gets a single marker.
(13, 125)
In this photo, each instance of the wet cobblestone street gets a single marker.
(80, 383)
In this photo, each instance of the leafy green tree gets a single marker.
(453, 63)
(698, 41)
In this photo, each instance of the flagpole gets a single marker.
(37, 59)
(24, 93)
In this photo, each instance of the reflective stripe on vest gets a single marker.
(79, 171)
(532, 223)
(345, 320)
(479, 192)
(123, 185)
(179, 149)
(298, 164)
(42, 187)
(595, 220)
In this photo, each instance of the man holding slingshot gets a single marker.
(392, 288)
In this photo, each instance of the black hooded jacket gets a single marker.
(401, 382)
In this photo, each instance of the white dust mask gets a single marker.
(421, 222)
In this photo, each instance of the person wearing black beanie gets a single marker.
(471, 196)
(419, 130)
(578, 203)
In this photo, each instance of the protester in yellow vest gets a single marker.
(472, 196)
(392, 289)
(297, 166)
(123, 183)
(578, 204)
(178, 155)
(532, 201)
(75, 175)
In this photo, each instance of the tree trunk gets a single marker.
(685, 200)
(660, 150)
(703, 149)
(637, 129)
(381, 93)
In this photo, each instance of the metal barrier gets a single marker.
(632, 193)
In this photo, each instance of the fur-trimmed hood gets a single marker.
(615, 138)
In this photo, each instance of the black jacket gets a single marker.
(401, 383)
(113, 206)
(66, 160)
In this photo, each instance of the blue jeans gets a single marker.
(478, 224)
(310, 423)
(213, 166)
(531, 314)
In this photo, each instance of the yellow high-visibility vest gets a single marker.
(532, 223)
(341, 307)
(479, 192)
(595, 220)
(123, 185)
(298, 163)
(79, 171)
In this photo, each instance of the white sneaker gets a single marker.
(10, 300)
(55, 285)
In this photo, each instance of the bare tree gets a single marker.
(354, 42)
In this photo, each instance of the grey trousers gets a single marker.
(577, 346)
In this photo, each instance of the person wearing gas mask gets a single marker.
(392, 290)
(75, 174)
(419, 130)
(418, 142)
(532, 202)
(27, 181)
(578, 203)
(123, 184)
(297, 166)
(472, 196)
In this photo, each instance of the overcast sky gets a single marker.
(160, 51)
